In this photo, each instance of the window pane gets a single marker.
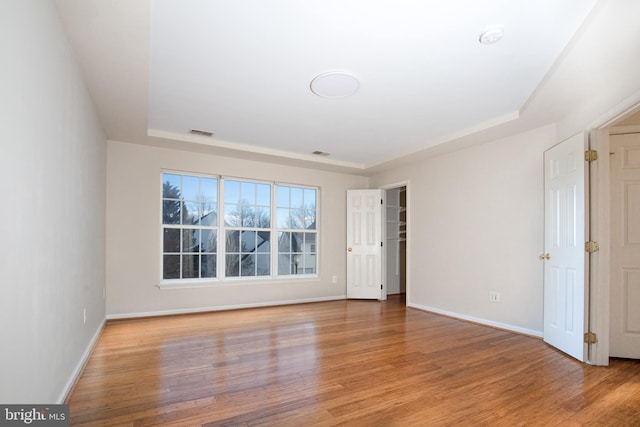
(309, 198)
(170, 212)
(170, 186)
(264, 241)
(310, 209)
(284, 264)
(171, 240)
(171, 267)
(263, 266)
(282, 196)
(190, 266)
(296, 263)
(296, 197)
(209, 190)
(190, 188)
(248, 193)
(297, 218)
(247, 216)
(191, 213)
(248, 265)
(248, 241)
(310, 253)
(297, 242)
(233, 241)
(309, 219)
(232, 265)
(190, 240)
(209, 241)
(263, 196)
(263, 218)
(231, 215)
(231, 191)
(310, 242)
(283, 217)
(209, 216)
(208, 266)
(284, 242)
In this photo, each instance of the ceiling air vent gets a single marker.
(320, 153)
(201, 132)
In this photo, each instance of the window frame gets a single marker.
(222, 240)
(183, 227)
(304, 231)
(221, 278)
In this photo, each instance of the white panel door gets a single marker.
(364, 240)
(564, 270)
(625, 247)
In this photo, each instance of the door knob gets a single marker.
(349, 249)
(545, 256)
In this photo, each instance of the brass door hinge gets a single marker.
(591, 246)
(590, 155)
(590, 338)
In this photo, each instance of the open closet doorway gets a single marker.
(396, 241)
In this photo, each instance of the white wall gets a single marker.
(602, 67)
(475, 225)
(133, 228)
(476, 215)
(52, 215)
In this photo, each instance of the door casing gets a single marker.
(599, 313)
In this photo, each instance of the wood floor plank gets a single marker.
(350, 363)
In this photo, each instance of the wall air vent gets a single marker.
(201, 132)
(320, 153)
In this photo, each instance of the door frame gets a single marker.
(600, 174)
(407, 185)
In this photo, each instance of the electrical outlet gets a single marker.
(84, 316)
(334, 279)
(494, 296)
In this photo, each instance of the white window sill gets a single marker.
(215, 283)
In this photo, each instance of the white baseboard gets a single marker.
(75, 375)
(511, 328)
(221, 307)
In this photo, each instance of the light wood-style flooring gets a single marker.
(354, 363)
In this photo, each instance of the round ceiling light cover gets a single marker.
(335, 84)
(491, 35)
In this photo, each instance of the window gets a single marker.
(251, 215)
(189, 227)
(247, 222)
(297, 235)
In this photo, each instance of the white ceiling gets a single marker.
(242, 70)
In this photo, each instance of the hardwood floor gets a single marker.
(356, 363)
